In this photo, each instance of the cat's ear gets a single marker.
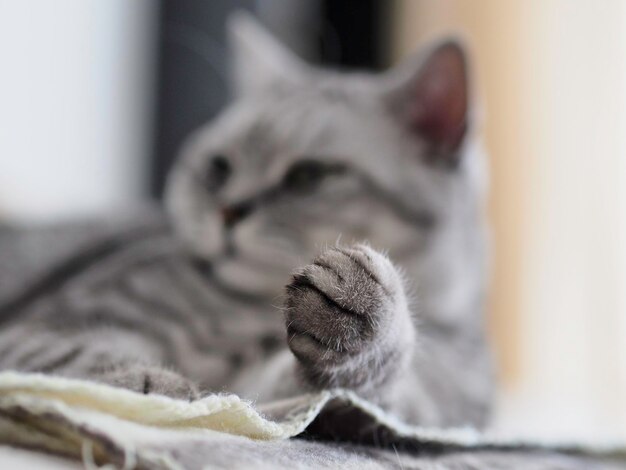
(258, 59)
(430, 95)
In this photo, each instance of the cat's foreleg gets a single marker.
(107, 355)
(349, 325)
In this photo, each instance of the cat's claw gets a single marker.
(347, 317)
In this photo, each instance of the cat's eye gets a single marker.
(217, 173)
(305, 176)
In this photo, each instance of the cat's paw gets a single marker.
(153, 380)
(347, 318)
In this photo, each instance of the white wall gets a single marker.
(574, 275)
(76, 82)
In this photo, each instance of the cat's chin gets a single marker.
(248, 279)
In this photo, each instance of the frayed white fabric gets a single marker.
(105, 425)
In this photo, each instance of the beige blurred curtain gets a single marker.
(552, 77)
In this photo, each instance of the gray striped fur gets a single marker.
(200, 305)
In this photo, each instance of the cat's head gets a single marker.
(304, 157)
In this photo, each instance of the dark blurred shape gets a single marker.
(192, 74)
(192, 83)
(355, 33)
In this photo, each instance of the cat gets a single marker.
(303, 179)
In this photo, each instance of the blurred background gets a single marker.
(96, 96)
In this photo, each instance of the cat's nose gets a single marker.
(234, 213)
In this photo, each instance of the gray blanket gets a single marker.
(335, 429)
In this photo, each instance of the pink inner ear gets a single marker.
(439, 109)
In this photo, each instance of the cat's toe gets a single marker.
(152, 380)
(344, 304)
(164, 382)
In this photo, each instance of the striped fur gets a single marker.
(301, 159)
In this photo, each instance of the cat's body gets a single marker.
(302, 158)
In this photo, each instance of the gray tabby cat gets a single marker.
(303, 158)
